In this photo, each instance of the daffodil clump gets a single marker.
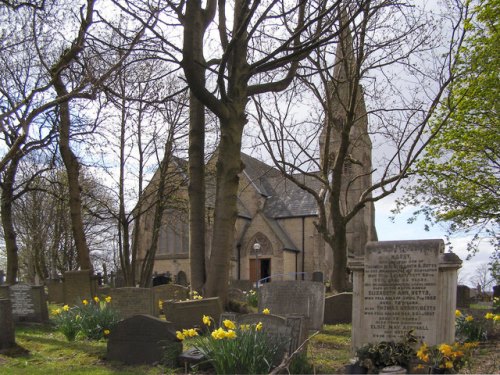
(451, 358)
(468, 329)
(252, 298)
(93, 319)
(236, 349)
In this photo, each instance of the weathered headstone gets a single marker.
(130, 301)
(168, 292)
(189, 314)
(338, 309)
(55, 290)
(463, 297)
(181, 278)
(78, 285)
(143, 339)
(292, 329)
(306, 298)
(161, 280)
(28, 302)
(401, 286)
(7, 332)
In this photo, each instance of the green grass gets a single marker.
(43, 351)
(330, 350)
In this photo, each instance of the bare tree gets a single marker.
(381, 58)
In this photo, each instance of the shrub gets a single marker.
(376, 356)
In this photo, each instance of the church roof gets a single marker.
(284, 198)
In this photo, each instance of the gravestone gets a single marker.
(28, 302)
(7, 332)
(338, 309)
(306, 298)
(2, 277)
(168, 292)
(78, 285)
(181, 278)
(131, 301)
(161, 280)
(401, 286)
(463, 297)
(189, 314)
(292, 329)
(55, 290)
(143, 339)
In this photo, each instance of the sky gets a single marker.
(401, 230)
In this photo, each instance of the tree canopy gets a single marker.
(459, 176)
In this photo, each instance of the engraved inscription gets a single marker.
(22, 300)
(400, 293)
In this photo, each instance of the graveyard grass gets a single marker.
(50, 353)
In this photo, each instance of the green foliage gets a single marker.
(468, 329)
(252, 298)
(98, 319)
(246, 349)
(66, 320)
(93, 320)
(459, 176)
(376, 356)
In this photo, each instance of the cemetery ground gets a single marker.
(42, 350)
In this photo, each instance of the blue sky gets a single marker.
(401, 230)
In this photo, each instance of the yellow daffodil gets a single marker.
(448, 364)
(179, 335)
(106, 332)
(266, 311)
(245, 327)
(496, 317)
(489, 316)
(258, 327)
(56, 311)
(96, 299)
(191, 332)
(207, 320)
(230, 334)
(422, 353)
(85, 302)
(108, 299)
(229, 324)
(66, 308)
(469, 318)
(445, 349)
(458, 313)
(219, 334)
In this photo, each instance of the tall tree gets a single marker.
(384, 43)
(458, 178)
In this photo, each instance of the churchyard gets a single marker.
(402, 312)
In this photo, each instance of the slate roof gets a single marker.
(284, 198)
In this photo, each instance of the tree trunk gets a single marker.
(9, 231)
(73, 174)
(339, 246)
(229, 166)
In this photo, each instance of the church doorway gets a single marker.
(260, 269)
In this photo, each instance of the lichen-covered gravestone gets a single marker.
(144, 339)
(28, 302)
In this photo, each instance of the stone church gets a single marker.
(274, 215)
